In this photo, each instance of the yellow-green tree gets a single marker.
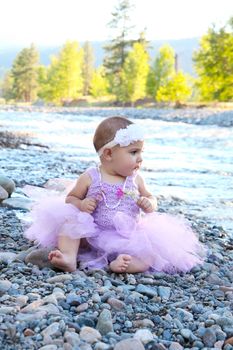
(176, 89)
(214, 64)
(64, 76)
(7, 86)
(162, 70)
(42, 81)
(99, 83)
(134, 74)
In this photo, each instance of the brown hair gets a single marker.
(107, 129)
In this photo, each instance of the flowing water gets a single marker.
(192, 164)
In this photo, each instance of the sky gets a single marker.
(52, 22)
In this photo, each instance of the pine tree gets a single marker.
(88, 67)
(25, 74)
(117, 49)
(143, 41)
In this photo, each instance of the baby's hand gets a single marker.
(88, 205)
(145, 204)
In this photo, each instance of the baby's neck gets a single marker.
(108, 175)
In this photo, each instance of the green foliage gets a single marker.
(162, 70)
(134, 74)
(99, 84)
(64, 76)
(88, 67)
(214, 64)
(142, 40)
(24, 73)
(126, 72)
(176, 89)
(117, 49)
(7, 87)
(42, 81)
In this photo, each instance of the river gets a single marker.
(188, 163)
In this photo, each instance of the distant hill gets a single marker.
(184, 49)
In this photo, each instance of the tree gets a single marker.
(162, 70)
(176, 89)
(7, 86)
(134, 74)
(88, 67)
(214, 64)
(24, 73)
(42, 81)
(99, 84)
(117, 49)
(143, 41)
(64, 77)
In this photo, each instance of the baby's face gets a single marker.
(127, 160)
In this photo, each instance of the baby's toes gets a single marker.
(54, 254)
(127, 261)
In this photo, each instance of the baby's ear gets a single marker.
(107, 154)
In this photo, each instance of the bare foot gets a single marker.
(121, 263)
(62, 261)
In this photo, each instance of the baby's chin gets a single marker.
(135, 170)
(131, 172)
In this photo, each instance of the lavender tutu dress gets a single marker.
(117, 226)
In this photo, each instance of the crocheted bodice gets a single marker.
(112, 198)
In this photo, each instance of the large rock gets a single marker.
(7, 184)
(3, 193)
(17, 203)
(104, 324)
(129, 344)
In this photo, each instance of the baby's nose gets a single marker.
(139, 159)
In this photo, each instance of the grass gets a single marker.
(110, 101)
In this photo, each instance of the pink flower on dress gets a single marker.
(120, 193)
(132, 194)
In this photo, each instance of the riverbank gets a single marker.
(98, 310)
(44, 309)
(216, 114)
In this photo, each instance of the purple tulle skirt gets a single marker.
(163, 242)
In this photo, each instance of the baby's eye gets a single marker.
(133, 152)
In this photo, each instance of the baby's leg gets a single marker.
(65, 257)
(126, 263)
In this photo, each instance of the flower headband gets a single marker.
(124, 137)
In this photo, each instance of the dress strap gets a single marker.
(131, 181)
(93, 173)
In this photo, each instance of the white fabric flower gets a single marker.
(124, 137)
(133, 133)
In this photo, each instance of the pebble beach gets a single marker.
(41, 308)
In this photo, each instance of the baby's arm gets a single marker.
(147, 202)
(77, 196)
